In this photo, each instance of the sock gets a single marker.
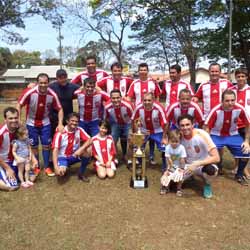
(241, 167)
(46, 154)
(84, 164)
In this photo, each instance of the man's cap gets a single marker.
(61, 72)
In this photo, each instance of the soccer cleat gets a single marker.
(207, 191)
(83, 178)
(164, 190)
(241, 180)
(37, 171)
(179, 193)
(152, 161)
(49, 172)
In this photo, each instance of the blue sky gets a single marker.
(43, 36)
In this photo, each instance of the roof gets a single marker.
(33, 71)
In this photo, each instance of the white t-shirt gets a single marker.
(175, 154)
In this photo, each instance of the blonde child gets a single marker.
(175, 154)
(22, 156)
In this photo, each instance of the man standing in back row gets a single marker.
(92, 72)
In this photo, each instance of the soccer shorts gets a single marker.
(3, 176)
(67, 161)
(157, 138)
(233, 143)
(44, 133)
(92, 127)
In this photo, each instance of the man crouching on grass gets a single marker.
(66, 144)
(201, 153)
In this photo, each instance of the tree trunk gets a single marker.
(192, 67)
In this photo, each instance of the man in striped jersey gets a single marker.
(66, 144)
(222, 122)
(92, 72)
(91, 104)
(209, 93)
(39, 102)
(184, 106)
(171, 88)
(116, 81)
(118, 112)
(154, 124)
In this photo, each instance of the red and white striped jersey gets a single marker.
(97, 76)
(243, 98)
(120, 115)
(68, 142)
(107, 84)
(152, 120)
(38, 106)
(103, 148)
(6, 139)
(90, 106)
(171, 90)
(175, 110)
(210, 94)
(138, 88)
(224, 122)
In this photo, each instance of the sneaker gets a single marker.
(83, 178)
(49, 172)
(179, 193)
(152, 162)
(129, 162)
(116, 161)
(37, 171)
(25, 185)
(207, 191)
(163, 190)
(241, 180)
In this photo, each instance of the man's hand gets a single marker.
(164, 141)
(245, 148)
(60, 171)
(60, 128)
(10, 174)
(191, 168)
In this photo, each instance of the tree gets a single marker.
(217, 46)
(24, 59)
(109, 20)
(5, 59)
(155, 43)
(180, 19)
(13, 13)
(52, 61)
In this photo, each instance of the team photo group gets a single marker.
(190, 130)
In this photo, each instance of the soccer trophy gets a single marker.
(138, 178)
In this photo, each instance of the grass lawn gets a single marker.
(109, 215)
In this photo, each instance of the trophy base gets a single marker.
(139, 184)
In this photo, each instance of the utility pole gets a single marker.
(230, 40)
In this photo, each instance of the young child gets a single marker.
(103, 150)
(22, 156)
(175, 155)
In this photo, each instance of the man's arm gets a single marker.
(60, 126)
(164, 136)
(9, 172)
(19, 108)
(245, 145)
(212, 158)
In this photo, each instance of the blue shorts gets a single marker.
(92, 128)
(3, 176)
(157, 138)
(44, 133)
(233, 143)
(67, 161)
(119, 131)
